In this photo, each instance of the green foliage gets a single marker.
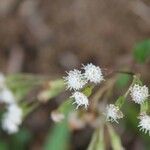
(55, 88)
(144, 106)
(3, 145)
(21, 84)
(20, 140)
(142, 51)
(88, 90)
(97, 141)
(115, 139)
(58, 137)
(123, 80)
(120, 101)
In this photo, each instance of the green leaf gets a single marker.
(88, 90)
(97, 141)
(65, 107)
(144, 107)
(3, 145)
(20, 140)
(58, 137)
(54, 89)
(120, 101)
(115, 139)
(123, 80)
(21, 84)
(142, 51)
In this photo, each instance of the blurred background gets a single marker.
(48, 37)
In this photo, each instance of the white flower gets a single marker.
(80, 99)
(139, 93)
(144, 123)
(7, 96)
(93, 73)
(12, 119)
(75, 80)
(113, 113)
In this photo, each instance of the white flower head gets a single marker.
(80, 99)
(7, 96)
(139, 93)
(93, 73)
(75, 80)
(144, 123)
(113, 113)
(12, 119)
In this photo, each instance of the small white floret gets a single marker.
(6, 96)
(12, 119)
(80, 99)
(144, 123)
(113, 113)
(93, 73)
(139, 93)
(75, 80)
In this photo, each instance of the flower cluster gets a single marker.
(6, 96)
(113, 113)
(139, 93)
(76, 80)
(144, 123)
(12, 118)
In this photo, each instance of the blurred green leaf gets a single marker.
(3, 145)
(21, 84)
(120, 101)
(142, 51)
(115, 139)
(58, 137)
(88, 90)
(97, 141)
(54, 89)
(20, 140)
(123, 80)
(144, 106)
(66, 107)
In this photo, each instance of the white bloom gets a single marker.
(113, 113)
(139, 93)
(7, 96)
(75, 80)
(144, 123)
(12, 119)
(80, 99)
(93, 73)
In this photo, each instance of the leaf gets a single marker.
(144, 106)
(120, 101)
(54, 89)
(142, 51)
(88, 90)
(20, 140)
(58, 137)
(21, 84)
(97, 141)
(123, 80)
(115, 139)
(3, 145)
